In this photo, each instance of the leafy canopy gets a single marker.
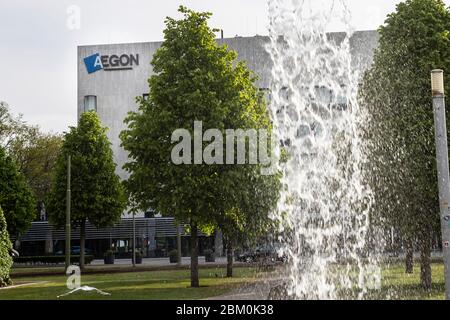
(16, 198)
(396, 91)
(33, 151)
(195, 80)
(36, 159)
(96, 192)
(5, 247)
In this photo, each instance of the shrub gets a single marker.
(109, 253)
(138, 254)
(209, 255)
(108, 257)
(5, 258)
(173, 256)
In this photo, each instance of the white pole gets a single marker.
(134, 240)
(179, 244)
(437, 87)
(68, 200)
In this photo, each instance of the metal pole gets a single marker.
(179, 244)
(68, 194)
(134, 240)
(437, 86)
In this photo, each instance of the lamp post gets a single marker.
(68, 196)
(437, 87)
(179, 244)
(134, 240)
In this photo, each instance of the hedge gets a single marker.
(5, 258)
(52, 259)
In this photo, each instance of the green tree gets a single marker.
(5, 248)
(14, 131)
(33, 151)
(396, 91)
(97, 194)
(16, 198)
(36, 159)
(195, 80)
(247, 219)
(8, 124)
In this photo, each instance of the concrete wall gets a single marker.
(116, 90)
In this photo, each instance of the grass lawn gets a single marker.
(171, 284)
(396, 284)
(174, 284)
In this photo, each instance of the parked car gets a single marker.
(75, 250)
(268, 252)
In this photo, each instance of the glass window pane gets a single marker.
(90, 103)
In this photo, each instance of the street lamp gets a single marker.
(437, 88)
(134, 240)
(68, 200)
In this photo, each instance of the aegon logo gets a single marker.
(113, 62)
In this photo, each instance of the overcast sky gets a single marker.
(39, 42)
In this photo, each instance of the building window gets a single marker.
(90, 103)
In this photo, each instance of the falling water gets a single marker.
(324, 209)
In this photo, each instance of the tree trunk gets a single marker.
(425, 261)
(230, 254)
(179, 245)
(409, 259)
(194, 255)
(82, 242)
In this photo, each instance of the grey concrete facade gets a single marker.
(117, 90)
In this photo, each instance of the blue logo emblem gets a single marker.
(93, 63)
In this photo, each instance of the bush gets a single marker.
(108, 257)
(173, 256)
(52, 259)
(209, 256)
(5, 258)
(138, 256)
(109, 253)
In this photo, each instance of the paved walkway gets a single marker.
(23, 285)
(259, 290)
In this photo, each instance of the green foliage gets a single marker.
(33, 152)
(173, 256)
(109, 253)
(396, 92)
(195, 80)
(5, 247)
(96, 192)
(36, 159)
(173, 253)
(138, 253)
(16, 198)
(10, 126)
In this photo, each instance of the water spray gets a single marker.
(325, 206)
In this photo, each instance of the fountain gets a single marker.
(324, 210)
